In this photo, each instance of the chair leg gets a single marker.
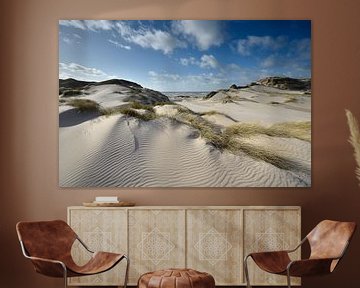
(288, 278)
(246, 270)
(127, 271)
(65, 276)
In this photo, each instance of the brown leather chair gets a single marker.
(328, 242)
(48, 245)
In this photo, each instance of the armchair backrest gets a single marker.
(329, 239)
(46, 239)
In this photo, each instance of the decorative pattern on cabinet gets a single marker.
(101, 230)
(214, 241)
(210, 239)
(156, 240)
(269, 230)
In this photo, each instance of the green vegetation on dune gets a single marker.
(130, 110)
(84, 105)
(299, 130)
(164, 103)
(231, 138)
(138, 105)
(133, 113)
(72, 92)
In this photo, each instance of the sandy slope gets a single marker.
(117, 151)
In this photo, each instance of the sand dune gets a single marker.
(117, 151)
(169, 149)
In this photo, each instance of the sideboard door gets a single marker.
(156, 240)
(101, 230)
(214, 244)
(271, 230)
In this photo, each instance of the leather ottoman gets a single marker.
(176, 278)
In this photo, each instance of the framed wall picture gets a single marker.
(185, 103)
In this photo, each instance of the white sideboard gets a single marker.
(211, 239)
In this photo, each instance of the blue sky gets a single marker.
(184, 55)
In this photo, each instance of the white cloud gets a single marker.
(163, 77)
(149, 38)
(93, 25)
(80, 72)
(193, 82)
(96, 25)
(209, 61)
(77, 36)
(67, 40)
(245, 46)
(204, 33)
(295, 62)
(117, 44)
(269, 62)
(188, 61)
(73, 23)
(206, 61)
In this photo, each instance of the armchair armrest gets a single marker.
(83, 244)
(49, 267)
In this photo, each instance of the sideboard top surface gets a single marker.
(193, 207)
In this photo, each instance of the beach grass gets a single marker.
(130, 112)
(72, 92)
(163, 103)
(291, 99)
(84, 105)
(133, 113)
(138, 105)
(300, 130)
(230, 138)
(259, 153)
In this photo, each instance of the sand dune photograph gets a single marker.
(184, 103)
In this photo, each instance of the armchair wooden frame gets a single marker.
(59, 267)
(320, 261)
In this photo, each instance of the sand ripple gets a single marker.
(120, 152)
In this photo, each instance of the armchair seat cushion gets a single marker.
(272, 262)
(99, 262)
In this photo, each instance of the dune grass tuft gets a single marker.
(133, 113)
(230, 138)
(206, 129)
(84, 105)
(138, 105)
(72, 92)
(259, 153)
(299, 130)
(164, 103)
(129, 111)
(291, 99)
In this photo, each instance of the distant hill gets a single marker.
(109, 92)
(286, 83)
(77, 84)
(273, 83)
(73, 83)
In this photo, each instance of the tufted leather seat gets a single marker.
(176, 278)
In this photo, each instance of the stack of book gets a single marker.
(106, 199)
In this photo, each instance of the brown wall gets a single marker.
(29, 138)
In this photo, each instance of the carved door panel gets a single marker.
(101, 230)
(214, 244)
(270, 230)
(157, 240)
